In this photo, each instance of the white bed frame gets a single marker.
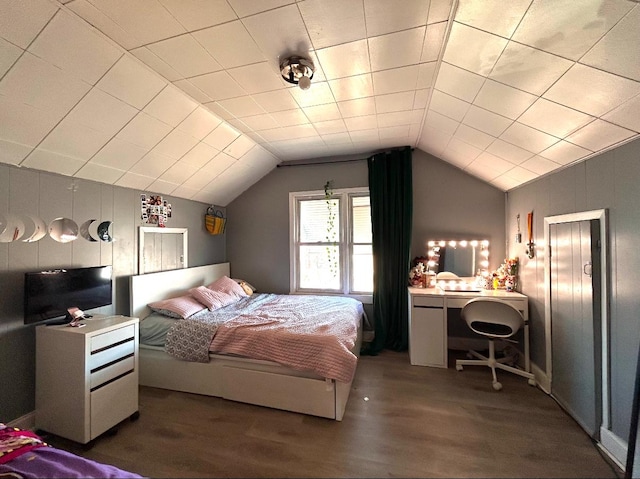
(264, 383)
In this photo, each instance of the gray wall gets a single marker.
(609, 181)
(447, 203)
(24, 191)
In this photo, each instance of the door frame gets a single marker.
(602, 216)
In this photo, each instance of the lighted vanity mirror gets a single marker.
(464, 258)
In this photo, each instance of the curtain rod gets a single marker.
(324, 161)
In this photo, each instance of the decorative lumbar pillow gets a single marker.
(180, 308)
(213, 299)
(228, 286)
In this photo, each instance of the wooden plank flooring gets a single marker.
(401, 421)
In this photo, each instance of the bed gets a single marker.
(24, 454)
(235, 376)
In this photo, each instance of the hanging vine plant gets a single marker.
(331, 236)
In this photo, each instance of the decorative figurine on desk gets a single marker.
(506, 276)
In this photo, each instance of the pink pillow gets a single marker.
(228, 286)
(212, 299)
(179, 308)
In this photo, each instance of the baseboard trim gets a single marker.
(541, 378)
(28, 421)
(614, 447)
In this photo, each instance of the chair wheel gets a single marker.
(459, 367)
(532, 382)
(497, 386)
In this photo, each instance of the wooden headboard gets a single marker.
(146, 288)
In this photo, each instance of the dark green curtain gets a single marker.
(391, 193)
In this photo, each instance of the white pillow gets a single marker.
(180, 307)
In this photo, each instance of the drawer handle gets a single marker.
(111, 363)
(111, 381)
(112, 345)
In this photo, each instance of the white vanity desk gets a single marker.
(428, 321)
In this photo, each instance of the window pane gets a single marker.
(319, 267)
(361, 219)
(319, 221)
(362, 262)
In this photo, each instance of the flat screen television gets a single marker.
(48, 294)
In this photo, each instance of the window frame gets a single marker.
(345, 241)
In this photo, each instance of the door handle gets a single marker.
(587, 269)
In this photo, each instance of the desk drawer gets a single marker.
(427, 302)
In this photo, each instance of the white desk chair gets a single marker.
(494, 319)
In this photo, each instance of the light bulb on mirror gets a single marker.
(304, 83)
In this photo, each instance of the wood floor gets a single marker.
(401, 421)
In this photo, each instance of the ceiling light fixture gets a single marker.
(297, 70)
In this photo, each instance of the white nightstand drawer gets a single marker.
(106, 339)
(110, 372)
(111, 354)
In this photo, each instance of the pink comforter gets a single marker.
(314, 333)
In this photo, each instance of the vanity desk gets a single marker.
(428, 312)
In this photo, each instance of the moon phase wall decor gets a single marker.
(30, 228)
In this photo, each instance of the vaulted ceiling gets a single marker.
(185, 97)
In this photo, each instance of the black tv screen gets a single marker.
(48, 294)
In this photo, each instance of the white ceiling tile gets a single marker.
(287, 21)
(239, 125)
(23, 124)
(394, 102)
(503, 99)
(422, 98)
(20, 22)
(185, 55)
(426, 72)
(349, 88)
(455, 157)
(218, 85)
(623, 37)
(554, 119)
(464, 149)
(361, 122)
(358, 107)
(13, 153)
(196, 14)
(257, 78)
(520, 175)
(439, 10)
(448, 105)
(198, 156)
(175, 145)
(504, 182)
(472, 49)
(34, 82)
(581, 25)
(171, 106)
(441, 123)
(53, 162)
(199, 123)
(322, 112)
(74, 140)
(509, 152)
(131, 82)
(213, 168)
(540, 165)
(147, 21)
(153, 164)
(599, 135)
(564, 153)
(277, 100)
(230, 44)
(433, 42)
(331, 22)
(488, 162)
(528, 138)
(458, 82)
(100, 111)
(177, 173)
(71, 45)
(221, 137)
(396, 118)
(100, 173)
(486, 121)
(242, 106)
(119, 154)
(260, 122)
(626, 115)
(592, 91)
(290, 117)
(396, 80)
(336, 139)
(528, 69)
(333, 59)
(153, 61)
(433, 141)
(384, 16)
(239, 147)
(162, 186)
(396, 135)
(144, 130)
(318, 94)
(473, 137)
(244, 8)
(132, 180)
(493, 16)
(395, 49)
(9, 53)
(193, 91)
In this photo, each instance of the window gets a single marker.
(331, 243)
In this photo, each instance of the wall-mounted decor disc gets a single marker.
(39, 230)
(103, 231)
(63, 230)
(84, 230)
(11, 228)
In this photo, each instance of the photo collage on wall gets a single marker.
(154, 210)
